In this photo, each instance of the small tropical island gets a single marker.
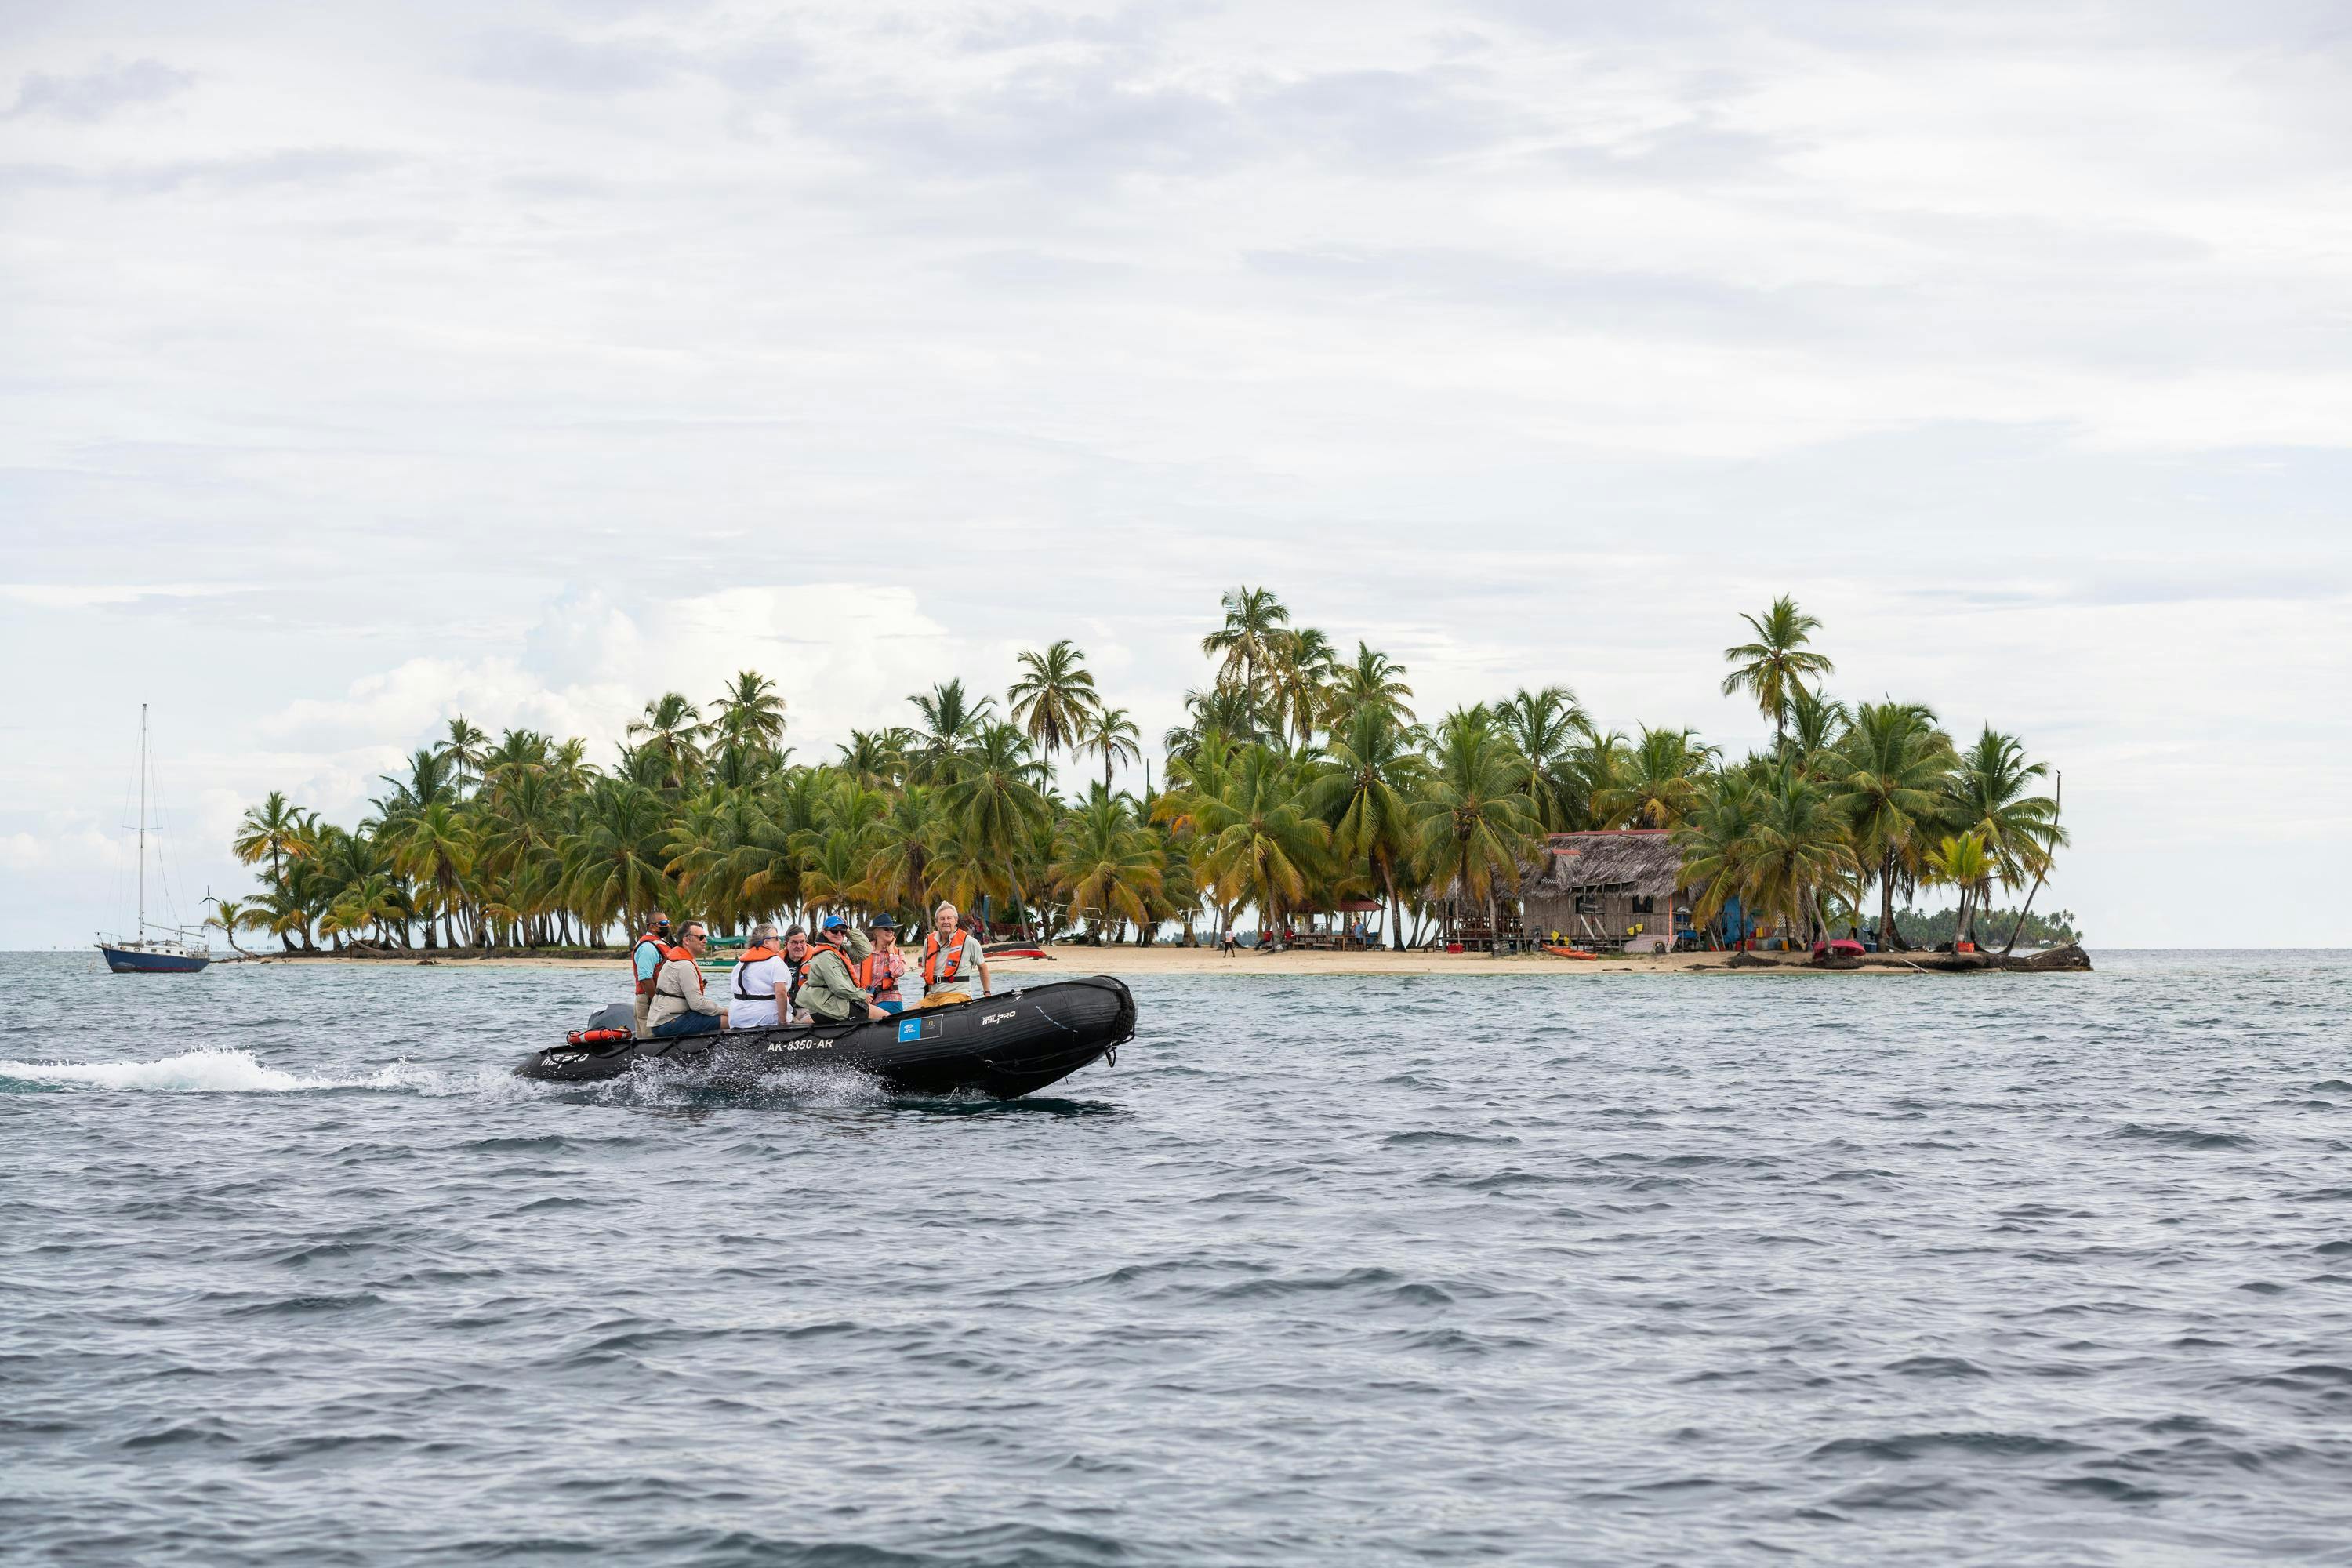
(1302, 794)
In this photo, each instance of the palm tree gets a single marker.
(900, 870)
(1716, 838)
(750, 713)
(1472, 827)
(434, 847)
(1244, 645)
(370, 904)
(1298, 694)
(1817, 722)
(839, 847)
(750, 727)
(1221, 711)
(432, 777)
(1989, 798)
(951, 722)
(1890, 775)
(1054, 701)
(1543, 727)
(1364, 790)
(1775, 664)
(1961, 862)
(994, 800)
(233, 916)
(773, 859)
(614, 866)
(1661, 784)
(1598, 767)
(673, 733)
(1797, 852)
(1112, 735)
(877, 758)
(1107, 863)
(464, 749)
(274, 829)
(521, 837)
(1256, 842)
(1373, 680)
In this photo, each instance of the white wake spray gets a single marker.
(236, 1072)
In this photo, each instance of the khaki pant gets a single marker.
(643, 1003)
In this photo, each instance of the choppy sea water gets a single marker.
(1594, 1269)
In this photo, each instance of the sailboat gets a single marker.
(170, 952)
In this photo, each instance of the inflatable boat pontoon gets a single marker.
(1006, 1044)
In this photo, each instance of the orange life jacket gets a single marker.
(676, 955)
(646, 986)
(801, 975)
(648, 983)
(934, 972)
(751, 955)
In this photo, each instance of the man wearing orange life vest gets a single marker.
(682, 1003)
(951, 956)
(645, 955)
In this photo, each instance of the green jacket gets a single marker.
(828, 992)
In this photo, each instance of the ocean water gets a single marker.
(1727, 1268)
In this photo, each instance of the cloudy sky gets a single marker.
(363, 365)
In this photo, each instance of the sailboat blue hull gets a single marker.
(131, 961)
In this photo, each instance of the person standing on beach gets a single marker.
(645, 957)
(949, 955)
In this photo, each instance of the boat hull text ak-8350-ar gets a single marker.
(1006, 1044)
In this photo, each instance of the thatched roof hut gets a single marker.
(1642, 862)
(1618, 886)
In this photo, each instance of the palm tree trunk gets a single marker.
(1396, 909)
(1886, 938)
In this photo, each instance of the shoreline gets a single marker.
(1124, 962)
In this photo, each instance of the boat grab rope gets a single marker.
(1111, 1053)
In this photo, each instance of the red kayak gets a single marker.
(1019, 953)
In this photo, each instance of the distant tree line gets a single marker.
(1299, 777)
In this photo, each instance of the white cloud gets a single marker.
(530, 369)
(97, 595)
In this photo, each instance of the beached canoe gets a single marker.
(1006, 1044)
(1558, 951)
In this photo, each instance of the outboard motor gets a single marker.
(613, 1021)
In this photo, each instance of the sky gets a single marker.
(360, 366)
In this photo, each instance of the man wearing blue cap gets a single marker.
(827, 988)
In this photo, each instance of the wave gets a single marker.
(219, 1071)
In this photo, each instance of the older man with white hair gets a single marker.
(951, 956)
(762, 979)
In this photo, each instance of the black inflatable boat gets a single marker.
(1005, 1045)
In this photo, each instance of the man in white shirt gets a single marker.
(762, 979)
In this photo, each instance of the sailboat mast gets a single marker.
(142, 821)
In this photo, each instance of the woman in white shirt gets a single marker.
(762, 976)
